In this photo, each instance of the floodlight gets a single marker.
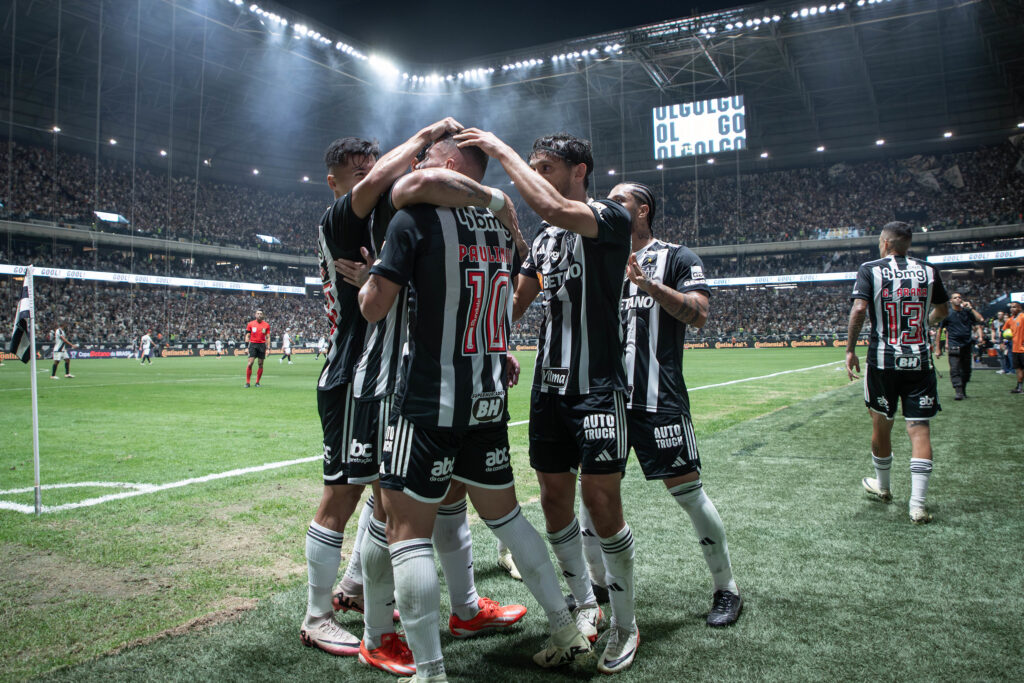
(1019, 125)
(948, 134)
(660, 167)
(163, 152)
(880, 141)
(821, 148)
(764, 155)
(113, 141)
(207, 162)
(255, 171)
(711, 160)
(611, 171)
(305, 178)
(55, 129)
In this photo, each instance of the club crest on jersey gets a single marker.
(555, 377)
(487, 407)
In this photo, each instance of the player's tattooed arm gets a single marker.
(689, 307)
(858, 311)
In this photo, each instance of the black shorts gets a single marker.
(585, 433)
(349, 457)
(257, 350)
(915, 389)
(1017, 360)
(370, 421)
(664, 443)
(421, 461)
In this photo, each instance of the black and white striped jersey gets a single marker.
(458, 265)
(376, 371)
(653, 338)
(580, 345)
(341, 234)
(58, 341)
(899, 291)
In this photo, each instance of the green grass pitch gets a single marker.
(206, 580)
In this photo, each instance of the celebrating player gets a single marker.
(60, 352)
(577, 408)
(898, 291)
(665, 291)
(256, 334)
(450, 418)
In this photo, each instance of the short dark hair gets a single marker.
(645, 195)
(474, 154)
(899, 230)
(571, 149)
(339, 151)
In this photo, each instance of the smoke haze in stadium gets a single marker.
(447, 31)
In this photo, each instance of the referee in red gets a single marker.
(256, 333)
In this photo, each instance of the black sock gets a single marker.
(53, 371)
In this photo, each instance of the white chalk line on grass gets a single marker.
(86, 385)
(141, 489)
(732, 381)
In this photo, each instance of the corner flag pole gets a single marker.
(35, 392)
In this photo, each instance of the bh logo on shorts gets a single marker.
(487, 407)
(598, 426)
(442, 469)
(926, 402)
(360, 452)
(496, 459)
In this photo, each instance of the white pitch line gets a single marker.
(84, 385)
(734, 381)
(153, 488)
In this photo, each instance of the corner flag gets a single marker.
(21, 338)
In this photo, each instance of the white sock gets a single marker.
(501, 546)
(419, 601)
(618, 558)
(379, 583)
(591, 546)
(882, 467)
(323, 557)
(710, 532)
(567, 545)
(352, 581)
(920, 471)
(455, 551)
(534, 564)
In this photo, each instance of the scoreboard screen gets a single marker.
(703, 127)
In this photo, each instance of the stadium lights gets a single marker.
(611, 171)
(660, 167)
(255, 171)
(207, 162)
(1019, 125)
(821, 148)
(113, 141)
(163, 152)
(879, 142)
(55, 129)
(711, 160)
(948, 134)
(305, 178)
(764, 155)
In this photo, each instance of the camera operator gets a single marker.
(961, 324)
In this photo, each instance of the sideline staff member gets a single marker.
(960, 325)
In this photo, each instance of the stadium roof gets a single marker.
(273, 91)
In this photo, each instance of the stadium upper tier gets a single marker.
(975, 188)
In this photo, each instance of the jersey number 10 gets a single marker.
(490, 302)
(906, 316)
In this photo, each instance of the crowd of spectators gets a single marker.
(145, 263)
(118, 314)
(964, 189)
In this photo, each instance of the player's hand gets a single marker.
(636, 274)
(441, 128)
(508, 217)
(852, 365)
(355, 272)
(490, 143)
(512, 370)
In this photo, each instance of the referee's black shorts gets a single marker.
(257, 350)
